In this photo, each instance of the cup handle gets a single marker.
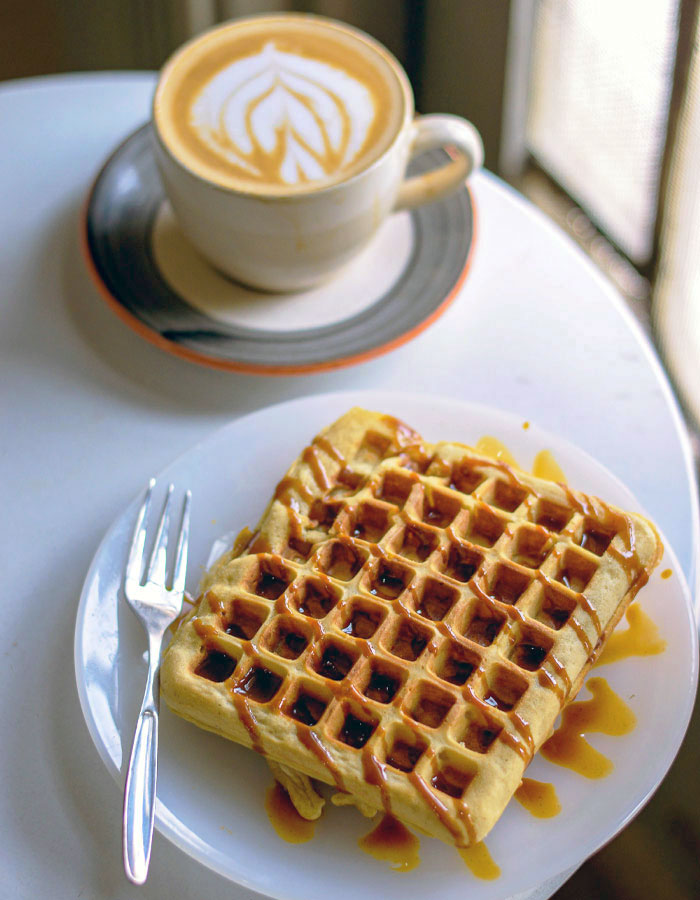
(441, 130)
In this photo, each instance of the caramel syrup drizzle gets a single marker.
(594, 508)
(523, 729)
(404, 435)
(390, 841)
(321, 442)
(242, 707)
(313, 743)
(312, 458)
(516, 614)
(481, 594)
(581, 634)
(208, 633)
(247, 542)
(623, 526)
(285, 819)
(592, 612)
(525, 748)
(375, 774)
(641, 638)
(559, 670)
(581, 598)
(440, 810)
(479, 862)
(507, 468)
(508, 738)
(445, 630)
(545, 466)
(259, 544)
(465, 815)
(242, 704)
(407, 614)
(547, 680)
(504, 462)
(345, 690)
(477, 856)
(189, 605)
(287, 597)
(539, 798)
(244, 538)
(328, 448)
(378, 551)
(415, 457)
(216, 604)
(289, 484)
(492, 447)
(374, 770)
(604, 713)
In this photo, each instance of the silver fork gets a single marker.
(156, 607)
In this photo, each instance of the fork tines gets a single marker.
(156, 570)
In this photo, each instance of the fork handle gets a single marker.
(140, 787)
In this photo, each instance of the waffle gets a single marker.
(407, 621)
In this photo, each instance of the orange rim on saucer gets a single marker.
(245, 366)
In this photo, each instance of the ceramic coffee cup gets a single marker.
(283, 142)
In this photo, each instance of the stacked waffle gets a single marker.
(407, 621)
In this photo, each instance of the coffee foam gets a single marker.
(283, 117)
(280, 104)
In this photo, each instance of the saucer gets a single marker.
(162, 288)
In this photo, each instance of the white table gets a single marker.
(89, 411)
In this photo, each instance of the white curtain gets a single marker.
(600, 93)
(676, 304)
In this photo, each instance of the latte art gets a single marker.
(280, 105)
(283, 141)
(282, 117)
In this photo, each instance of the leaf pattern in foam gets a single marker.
(279, 116)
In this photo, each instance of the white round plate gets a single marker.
(211, 792)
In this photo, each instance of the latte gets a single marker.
(280, 104)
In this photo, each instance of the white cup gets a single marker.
(288, 241)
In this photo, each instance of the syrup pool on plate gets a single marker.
(641, 638)
(604, 713)
(390, 841)
(539, 798)
(479, 862)
(286, 821)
